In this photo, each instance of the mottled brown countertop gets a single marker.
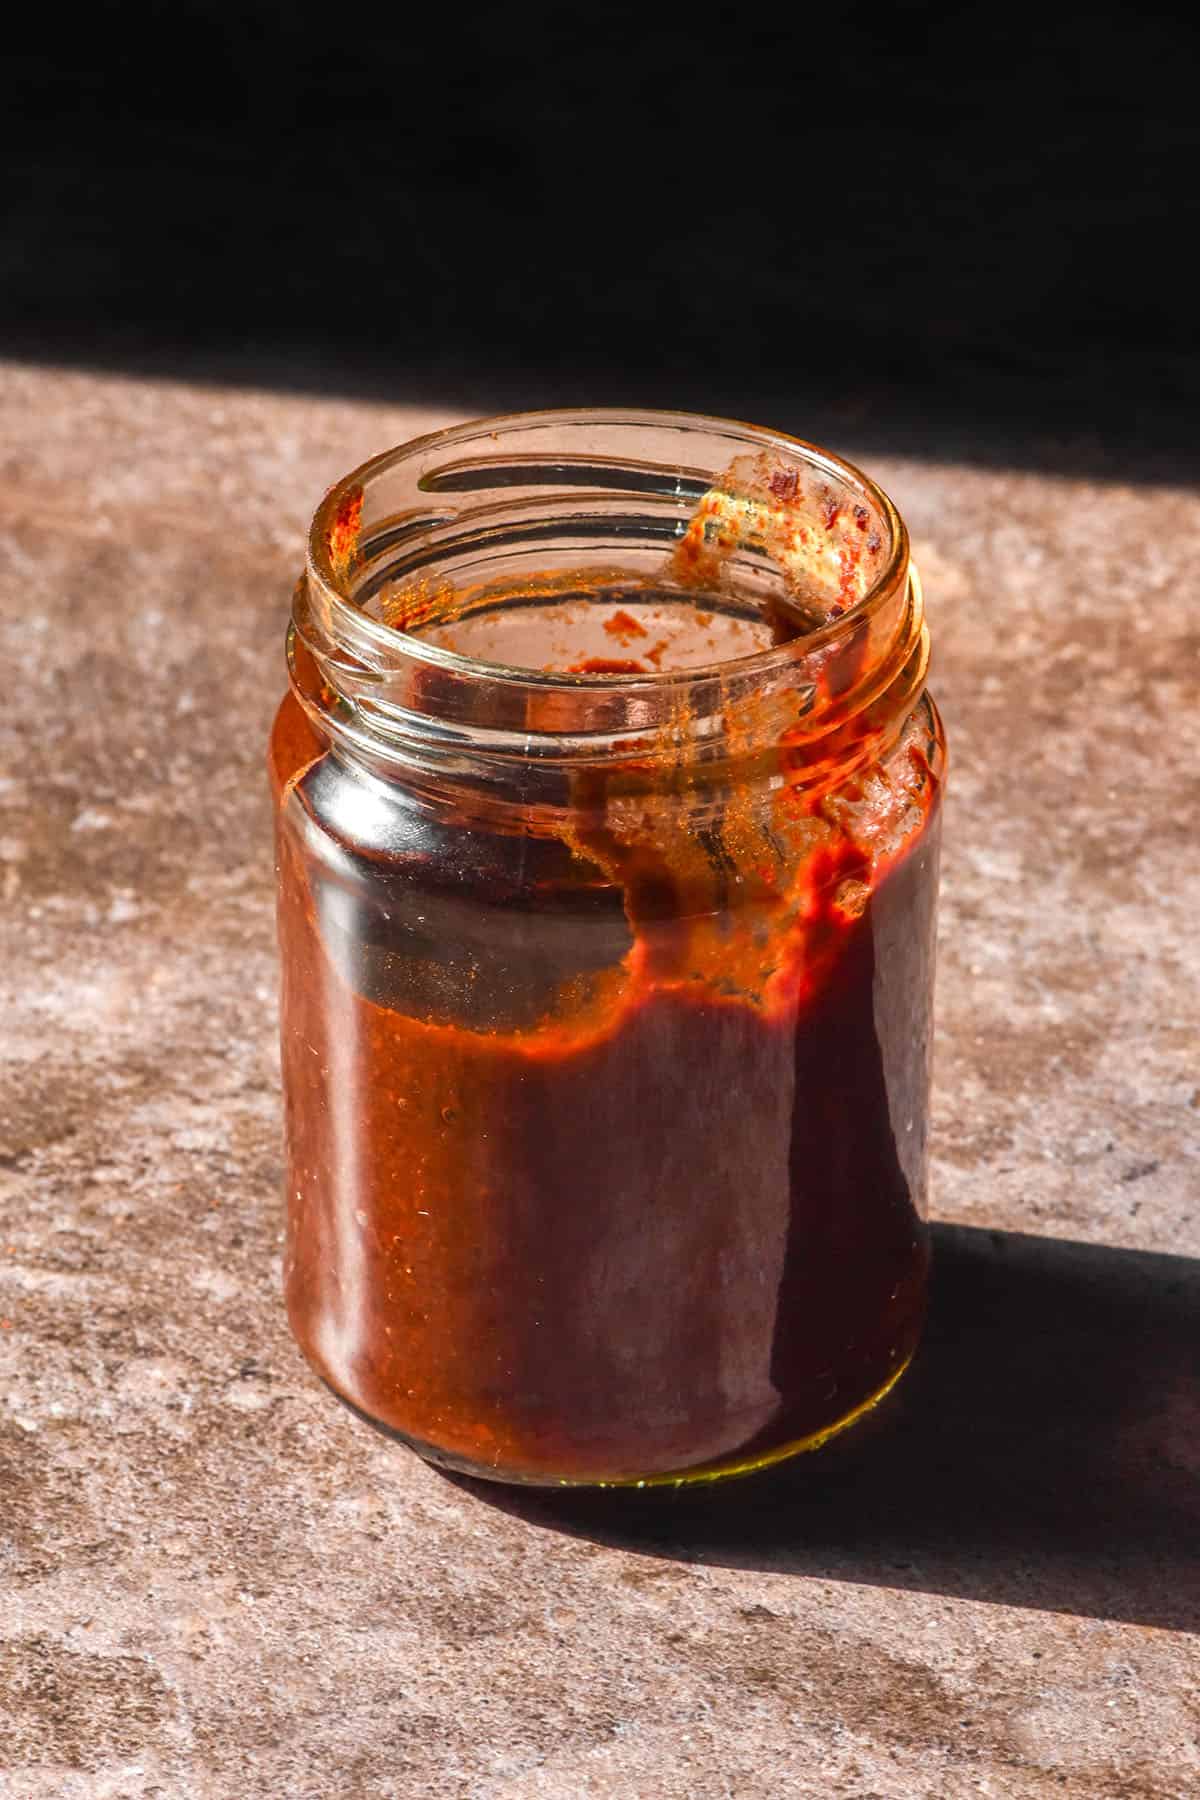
(217, 1583)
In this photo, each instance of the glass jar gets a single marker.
(608, 800)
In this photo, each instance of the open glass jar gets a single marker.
(608, 800)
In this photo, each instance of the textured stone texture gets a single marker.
(217, 1583)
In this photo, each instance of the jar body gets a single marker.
(606, 1129)
(618, 1237)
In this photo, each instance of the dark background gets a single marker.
(959, 231)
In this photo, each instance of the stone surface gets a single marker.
(216, 1582)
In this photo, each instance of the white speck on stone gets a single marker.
(995, 863)
(247, 1396)
(216, 1283)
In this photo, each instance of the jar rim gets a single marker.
(329, 571)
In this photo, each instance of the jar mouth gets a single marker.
(345, 542)
(449, 526)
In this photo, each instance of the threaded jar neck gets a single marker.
(439, 574)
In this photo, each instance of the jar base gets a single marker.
(706, 1474)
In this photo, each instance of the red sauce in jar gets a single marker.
(664, 1219)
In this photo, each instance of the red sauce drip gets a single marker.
(606, 665)
(342, 537)
(625, 627)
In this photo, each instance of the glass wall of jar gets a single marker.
(607, 799)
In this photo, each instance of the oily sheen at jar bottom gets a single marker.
(608, 800)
